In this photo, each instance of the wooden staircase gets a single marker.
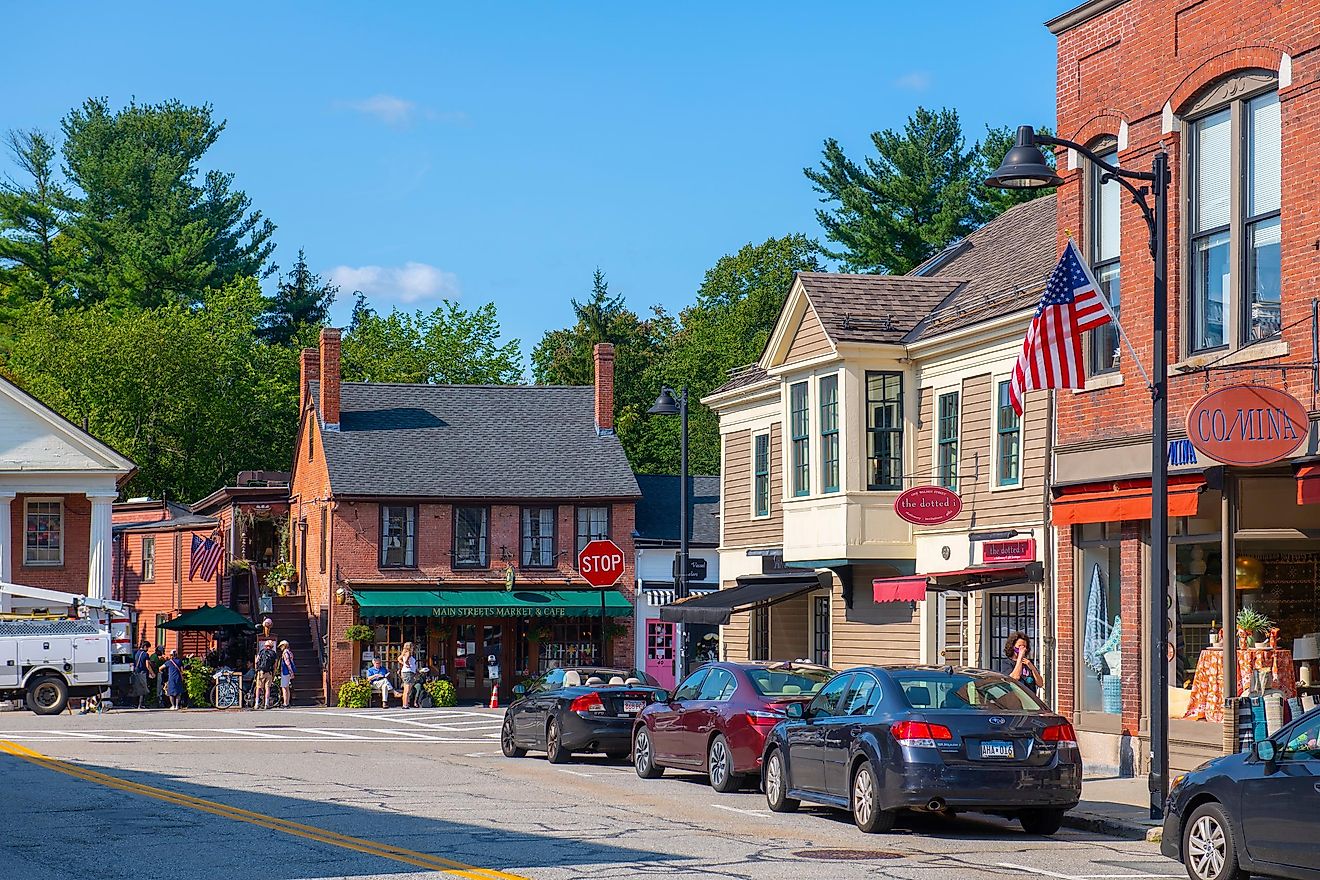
(289, 616)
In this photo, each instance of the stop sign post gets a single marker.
(601, 564)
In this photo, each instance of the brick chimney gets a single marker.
(604, 354)
(330, 378)
(309, 370)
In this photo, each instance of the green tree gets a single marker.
(33, 259)
(149, 226)
(302, 300)
(449, 345)
(991, 200)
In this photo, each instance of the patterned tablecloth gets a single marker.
(1207, 701)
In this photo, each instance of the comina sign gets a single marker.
(1247, 425)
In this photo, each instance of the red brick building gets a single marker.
(1232, 91)
(450, 516)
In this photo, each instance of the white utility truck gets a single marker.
(56, 645)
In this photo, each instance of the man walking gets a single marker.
(264, 665)
(155, 665)
(286, 675)
(141, 673)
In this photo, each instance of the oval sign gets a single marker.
(1247, 425)
(928, 505)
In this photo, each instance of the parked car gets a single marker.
(717, 719)
(1252, 812)
(577, 710)
(878, 740)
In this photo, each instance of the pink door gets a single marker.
(660, 652)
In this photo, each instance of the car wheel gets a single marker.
(1208, 850)
(554, 748)
(644, 756)
(776, 785)
(719, 766)
(507, 745)
(1041, 821)
(47, 695)
(866, 802)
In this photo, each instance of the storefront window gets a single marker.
(392, 632)
(1100, 596)
(1196, 609)
(574, 643)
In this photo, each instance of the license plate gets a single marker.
(632, 707)
(995, 748)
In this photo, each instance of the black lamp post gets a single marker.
(1024, 167)
(667, 405)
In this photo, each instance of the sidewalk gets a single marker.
(1115, 806)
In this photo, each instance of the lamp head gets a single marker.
(1024, 166)
(665, 405)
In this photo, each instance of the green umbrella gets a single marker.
(207, 618)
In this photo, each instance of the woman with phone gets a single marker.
(1018, 649)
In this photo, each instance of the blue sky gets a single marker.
(502, 152)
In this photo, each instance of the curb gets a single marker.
(1099, 823)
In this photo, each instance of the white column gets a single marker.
(98, 550)
(6, 542)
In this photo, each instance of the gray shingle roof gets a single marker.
(657, 512)
(743, 377)
(872, 308)
(473, 441)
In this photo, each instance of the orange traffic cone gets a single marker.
(495, 696)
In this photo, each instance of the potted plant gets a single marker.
(1254, 626)
(279, 578)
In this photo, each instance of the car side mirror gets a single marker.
(662, 696)
(795, 710)
(519, 690)
(1265, 751)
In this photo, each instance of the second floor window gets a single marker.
(398, 536)
(593, 523)
(800, 423)
(538, 537)
(884, 431)
(761, 474)
(471, 537)
(1105, 201)
(829, 433)
(325, 536)
(148, 559)
(1008, 440)
(947, 441)
(43, 542)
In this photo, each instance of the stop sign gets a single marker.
(601, 563)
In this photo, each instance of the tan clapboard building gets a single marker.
(870, 385)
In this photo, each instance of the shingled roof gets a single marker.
(473, 441)
(872, 308)
(743, 377)
(657, 512)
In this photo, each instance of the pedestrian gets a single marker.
(287, 671)
(379, 679)
(142, 673)
(174, 680)
(156, 665)
(1018, 649)
(407, 672)
(264, 681)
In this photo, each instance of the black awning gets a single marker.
(753, 591)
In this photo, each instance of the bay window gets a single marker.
(799, 421)
(829, 433)
(884, 431)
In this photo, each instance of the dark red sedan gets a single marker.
(717, 719)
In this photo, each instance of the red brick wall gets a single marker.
(309, 490)
(71, 575)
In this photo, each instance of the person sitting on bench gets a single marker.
(379, 679)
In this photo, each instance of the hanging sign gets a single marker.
(928, 505)
(1019, 550)
(1247, 425)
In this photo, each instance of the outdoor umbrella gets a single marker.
(207, 618)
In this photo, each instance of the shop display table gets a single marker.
(1207, 700)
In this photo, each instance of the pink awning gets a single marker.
(899, 589)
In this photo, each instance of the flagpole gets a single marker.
(1086, 267)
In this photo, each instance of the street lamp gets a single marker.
(1024, 167)
(667, 405)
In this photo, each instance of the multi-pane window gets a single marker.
(1105, 201)
(398, 536)
(538, 537)
(43, 542)
(325, 537)
(829, 433)
(800, 424)
(593, 523)
(884, 431)
(148, 559)
(1008, 440)
(761, 474)
(1235, 201)
(759, 646)
(947, 441)
(820, 641)
(471, 537)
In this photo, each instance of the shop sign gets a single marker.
(1019, 550)
(1247, 425)
(928, 505)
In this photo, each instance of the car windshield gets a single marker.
(554, 679)
(802, 681)
(960, 691)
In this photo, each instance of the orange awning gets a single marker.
(1308, 484)
(1124, 500)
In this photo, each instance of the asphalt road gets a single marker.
(311, 793)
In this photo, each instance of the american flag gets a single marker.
(206, 553)
(1051, 354)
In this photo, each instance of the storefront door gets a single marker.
(660, 652)
(479, 659)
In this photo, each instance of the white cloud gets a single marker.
(410, 283)
(914, 81)
(399, 112)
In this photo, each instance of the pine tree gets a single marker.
(302, 300)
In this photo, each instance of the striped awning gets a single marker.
(665, 595)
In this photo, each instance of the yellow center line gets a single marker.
(307, 832)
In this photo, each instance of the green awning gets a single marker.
(490, 603)
(206, 618)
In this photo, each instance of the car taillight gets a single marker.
(765, 718)
(587, 703)
(1059, 733)
(920, 733)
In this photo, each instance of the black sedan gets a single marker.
(878, 740)
(1251, 813)
(577, 710)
